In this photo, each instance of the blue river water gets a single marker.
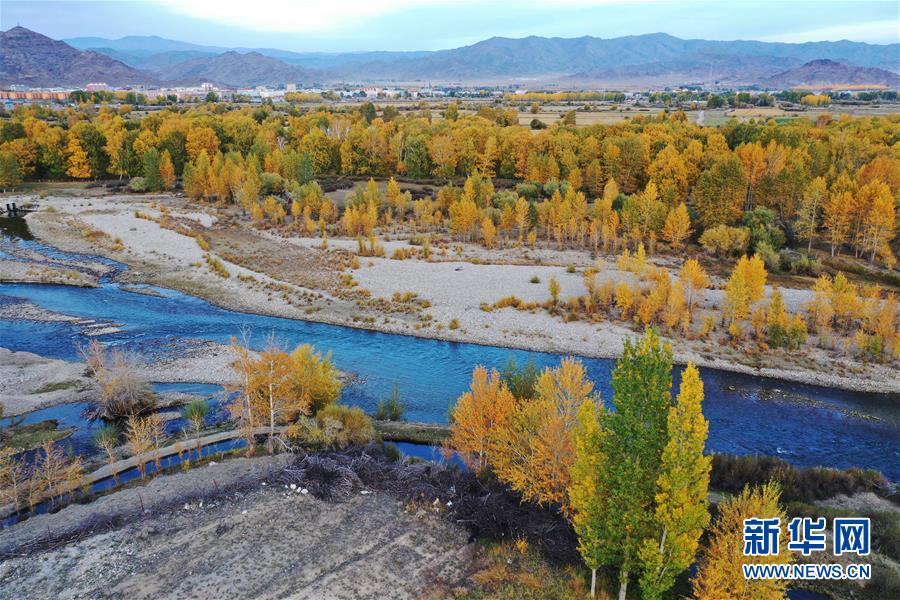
(805, 425)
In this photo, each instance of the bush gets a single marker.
(723, 240)
(769, 256)
(122, 393)
(761, 224)
(731, 473)
(137, 184)
(271, 183)
(343, 425)
(391, 408)
(803, 265)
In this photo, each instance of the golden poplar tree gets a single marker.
(477, 417)
(167, 170)
(677, 227)
(682, 489)
(837, 219)
(77, 163)
(721, 574)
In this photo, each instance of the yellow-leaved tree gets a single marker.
(682, 488)
(721, 574)
(478, 415)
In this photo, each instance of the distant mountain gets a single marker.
(829, 74)
(234, 69)
(33, 59)
(145, 51)
(639, 61)
(505, 58)
(720, 69)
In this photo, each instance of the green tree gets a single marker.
(152, 176)
(9, 171)
(631, 449)
(584, 491)
(719, 194)
(682, 490)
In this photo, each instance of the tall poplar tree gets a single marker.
(632, 446)
(682, 492)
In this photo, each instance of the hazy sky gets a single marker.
(348, 25)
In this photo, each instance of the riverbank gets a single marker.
(29, 382)
(228, 527)
(453, 289)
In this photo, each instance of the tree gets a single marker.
(837, 218)
(195, 414)
(167, 170)
(695, 281)
(488, 232)
(477, 416)
(880, 220)
(745, 286)
(9, 171)
(632, 447)
(721, 574)
(77, 159)
(720, 192)
(677, 227)
(152, 173)
(584, 491)
(682, 490)
(544, 426)
(553, 288)
(809, 215)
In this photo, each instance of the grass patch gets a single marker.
(26, 437)
(56, 386)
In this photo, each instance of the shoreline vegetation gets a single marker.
(552, 495)
(150, 251)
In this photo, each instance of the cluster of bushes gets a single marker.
(731, 473)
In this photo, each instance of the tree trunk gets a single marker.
(271, 420)
(623, 584)
(593, 583)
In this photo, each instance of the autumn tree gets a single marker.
(720, 574)
(682, 489)
(809, 217)
(544, 425)
(631, 448)
(745, 286)
(677, 227)
(77, 159)
(720, 192)
(167, 170)
(837, 219)
(695, 282)
(584, 491)
(478, 415)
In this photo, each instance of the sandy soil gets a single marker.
(12, 271)
(269, 282)
(221, 531)
(24, 375)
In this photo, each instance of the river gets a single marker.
(805, 425)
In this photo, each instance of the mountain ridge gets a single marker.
(645, 60)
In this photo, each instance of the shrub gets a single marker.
(769, 256)
(731, 473)
(391, 408)
(137, 184)
(122, 393)
(343, 425)
(535, 279)
(723, 240)
(454, 324)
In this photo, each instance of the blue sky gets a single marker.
(351, 25)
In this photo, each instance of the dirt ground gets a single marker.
(257, 540)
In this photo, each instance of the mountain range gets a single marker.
(638, 61)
